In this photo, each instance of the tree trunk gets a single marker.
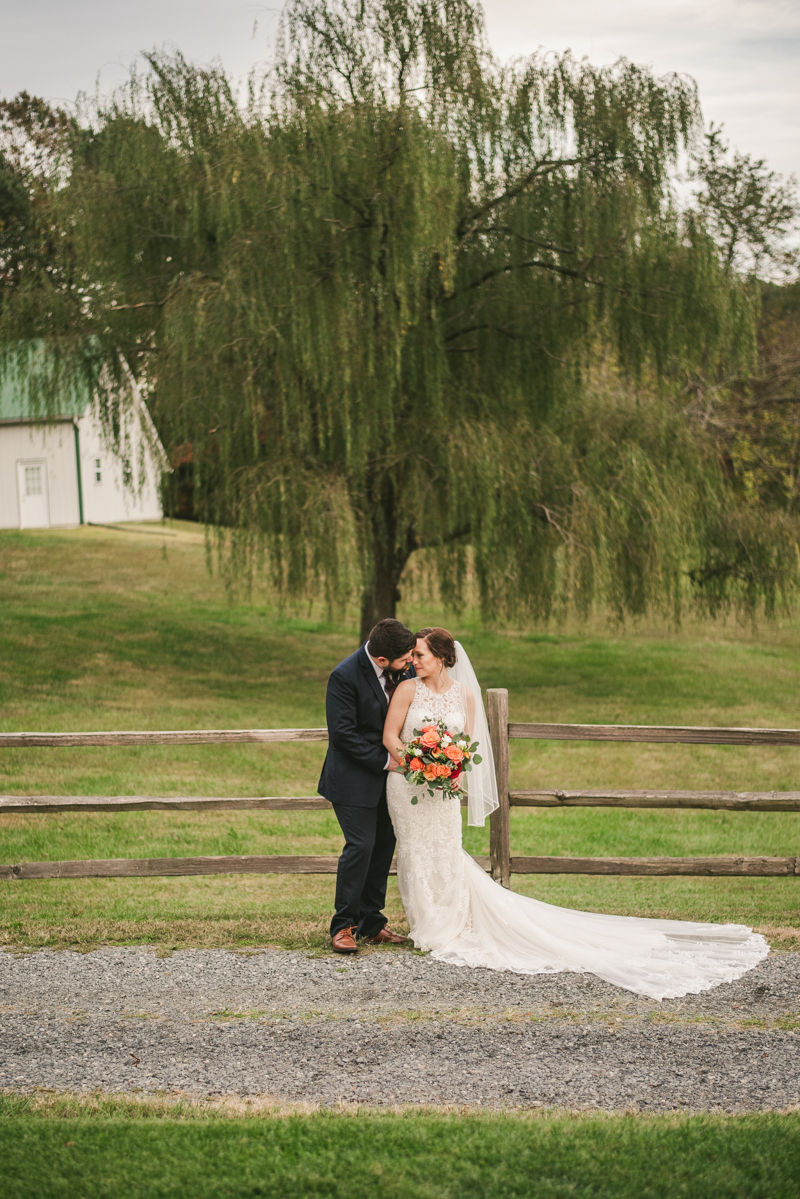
(381, 594)
(379, 600)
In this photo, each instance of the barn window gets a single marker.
(98, 470)
(33, 480)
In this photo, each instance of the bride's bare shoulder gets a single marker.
(405, 689)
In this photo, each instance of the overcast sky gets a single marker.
(744, 54)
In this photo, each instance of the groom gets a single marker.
(354, 780)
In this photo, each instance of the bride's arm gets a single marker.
(395, 717)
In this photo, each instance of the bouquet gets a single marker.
(436, 758)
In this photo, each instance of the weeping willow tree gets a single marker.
(405, 299)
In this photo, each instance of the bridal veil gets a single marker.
(481, 788)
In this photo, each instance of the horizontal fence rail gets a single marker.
(170, 867)
(718, 867)
(728, 801)
(159, 803)
(168, 737)
(501, 863)
(727, 866)
(654, 734)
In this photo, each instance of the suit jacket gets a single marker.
(354, 772)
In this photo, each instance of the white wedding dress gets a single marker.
(460, 915)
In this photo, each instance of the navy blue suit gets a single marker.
(354, 780)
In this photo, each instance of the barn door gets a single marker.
(34, 504)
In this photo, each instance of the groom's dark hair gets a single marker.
(390, 639)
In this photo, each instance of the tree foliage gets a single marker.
(749, 209)
(405, 299)
(751, 414)
(753, 420)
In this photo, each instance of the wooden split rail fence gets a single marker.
(501, 862)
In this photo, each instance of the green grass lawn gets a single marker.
(105, 630)
(139, 1150)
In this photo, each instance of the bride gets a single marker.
(460, 915)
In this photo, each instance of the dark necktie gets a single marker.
(389, 683)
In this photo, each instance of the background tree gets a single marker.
(750, 210)
(34, 150)
(756, 419)
(752, 415)
(405, 299)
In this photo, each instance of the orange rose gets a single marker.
(454, 753)
(430, 739)
(441, 771)
(415, 764)
(430, 773)
(427, 727)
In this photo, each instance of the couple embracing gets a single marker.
(396, 683)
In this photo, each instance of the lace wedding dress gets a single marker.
(460, 915)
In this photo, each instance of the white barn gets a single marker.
(59, 470)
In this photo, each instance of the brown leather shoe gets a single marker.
(386, 937)
(344, 941)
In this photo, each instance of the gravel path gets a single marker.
(391, 1027)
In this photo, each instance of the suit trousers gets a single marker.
(363, 868)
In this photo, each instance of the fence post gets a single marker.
(500, 831)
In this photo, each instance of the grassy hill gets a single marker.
(102, 629)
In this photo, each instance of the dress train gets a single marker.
(460, 915)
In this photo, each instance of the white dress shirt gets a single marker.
(378, 669)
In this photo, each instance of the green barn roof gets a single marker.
(28, 390)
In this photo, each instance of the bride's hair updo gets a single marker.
(440, 643)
